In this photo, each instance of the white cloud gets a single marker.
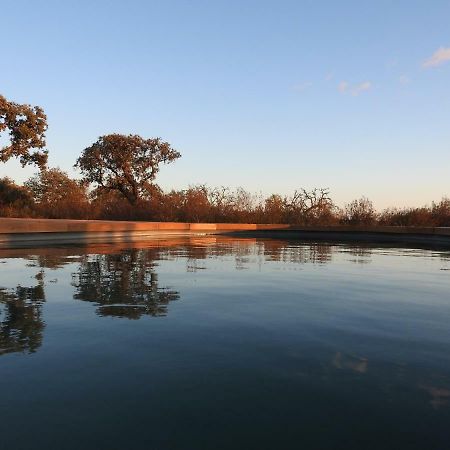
(440, 56)
(403, 79)
(354, 89)
(302, 86)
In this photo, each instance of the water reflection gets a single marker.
(293, 253)
(21, 322)
(350, 362)
(439, 397)
(122, 285)
(361, 255)
(123, 281)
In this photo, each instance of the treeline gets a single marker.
(53, 194)
(118, 183)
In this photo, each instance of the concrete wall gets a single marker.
(41, 232)
(11, 225)
(17, 233)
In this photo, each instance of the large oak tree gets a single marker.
(127, 164)
(26, 126)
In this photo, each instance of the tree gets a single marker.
(359, 212)
(274, 209)
(58, 196)
(128, 164)
(15, 200)
(26, 126)
(308, 207)
(441, 212)
(196, 204)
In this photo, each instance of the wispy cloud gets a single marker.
(343, 86)
(361, 87)
(329, 76)
(440, 56)
(354, 89)
(302, 86)
(403, 79)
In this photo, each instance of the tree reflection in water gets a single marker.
(21, 323)
(122, 285)
(124, 282)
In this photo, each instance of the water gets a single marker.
(225, 344)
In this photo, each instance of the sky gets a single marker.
(271, 96)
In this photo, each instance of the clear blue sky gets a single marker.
(267, 95)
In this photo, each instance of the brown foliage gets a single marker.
(308, 207)
(127, 164)
(190, 205)
(438, 215)
(440, 212)
(359, 212)
(15, 201)
(26, 126)
(406, 217)
(274, 209)
(52, 194)
(57, 196)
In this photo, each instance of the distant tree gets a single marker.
(359, 212)
(127, 164)
(441, 212)
(223, 203)
(406, 217)
(195, 206)
(308, 207)
(15, 200)
(112, 205)
(274, 209)
(59, 196)
(244, 205)
(26, 126)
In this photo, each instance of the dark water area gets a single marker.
(216, 343)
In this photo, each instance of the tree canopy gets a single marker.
(26, 126)
(57, 195)
(127, 164)
(53, 185)
(15, 200)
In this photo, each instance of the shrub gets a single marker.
(57, 196)
(15, 201)
(359, 212)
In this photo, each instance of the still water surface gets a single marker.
(225, 344)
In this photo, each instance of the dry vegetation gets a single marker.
(118, 183)
(52, 194)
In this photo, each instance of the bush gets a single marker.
(440, 212)
(59, 197)
(359, 212)
(15, 201)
